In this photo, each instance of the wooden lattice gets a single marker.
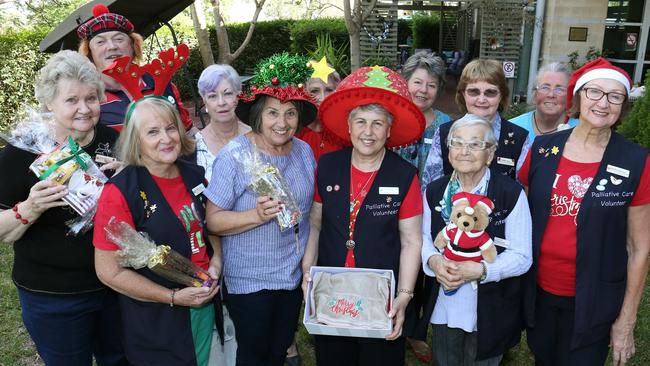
(501, 26)
(374, 25)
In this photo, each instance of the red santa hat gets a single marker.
(596, 69)
(473, 200)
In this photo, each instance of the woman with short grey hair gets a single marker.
(69, 314)
(425, 74)
(464, 330)
(549, 99)
(219, 86)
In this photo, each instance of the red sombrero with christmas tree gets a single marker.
(280, 76)
(374, 85)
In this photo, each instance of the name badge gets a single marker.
(428, 141)
(198, 189)
(501, 242)
(618, 171)
(103, 159)
(505, 161)
(389, 190)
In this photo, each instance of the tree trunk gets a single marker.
(354, 17)
(202, 34)
(225, 56)
(355, 50)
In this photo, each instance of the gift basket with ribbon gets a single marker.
(66, 164)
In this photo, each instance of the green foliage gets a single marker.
(379, 58)
(404, 30)
(336, 56)
(516, 109)
(636, 126)
(20, 61)
(307, 33)
(592, 54)
(426, 30)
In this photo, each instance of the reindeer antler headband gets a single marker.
(161, 69)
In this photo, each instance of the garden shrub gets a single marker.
(426, 29)
(636, 126)
(20, 61)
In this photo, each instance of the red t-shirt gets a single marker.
(113, 203)
(320, 143)
(412, 205)
(557, 260)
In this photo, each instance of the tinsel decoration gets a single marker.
(282, 70)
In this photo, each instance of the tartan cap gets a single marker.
(103, 21)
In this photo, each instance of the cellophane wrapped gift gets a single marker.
(67, 164)
(138, 251)
(350, 299)
(267, 180)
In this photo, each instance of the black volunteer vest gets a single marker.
(601, 258)
(500, 312)
(114, 111)
(156, 333)
(511, 140)
(376, 232)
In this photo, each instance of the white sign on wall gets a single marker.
(509, 69)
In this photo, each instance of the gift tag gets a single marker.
(103, 159)
(388, 190)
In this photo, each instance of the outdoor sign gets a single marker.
(509, 69)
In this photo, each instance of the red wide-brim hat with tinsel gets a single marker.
(374, 85)
(280, 76)
(103, 21)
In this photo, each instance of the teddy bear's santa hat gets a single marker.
(473, 200)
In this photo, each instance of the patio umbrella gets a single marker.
(146, 15)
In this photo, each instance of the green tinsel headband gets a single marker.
(282, 70)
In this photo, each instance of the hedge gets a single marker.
(636, 126)
(20, 60)
(426, 30)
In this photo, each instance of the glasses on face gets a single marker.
(488, 93)
(612, 97)
(547, 89)
(474, 145)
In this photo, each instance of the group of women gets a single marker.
(570, 217)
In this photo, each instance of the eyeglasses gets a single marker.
(612, 97)
(488, 93)
(474, 145)
(547, 89)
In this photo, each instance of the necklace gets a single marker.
(539, 129)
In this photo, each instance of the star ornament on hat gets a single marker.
(473, 200)
(321, 69)
(374, 85)
(280, 76)
(596, 69)
(103, 21)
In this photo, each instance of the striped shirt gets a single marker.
(263, 257)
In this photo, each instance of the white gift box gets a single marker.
(318, 328)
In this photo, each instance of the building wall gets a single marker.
(560, 15)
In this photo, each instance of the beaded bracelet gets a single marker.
(18, 216)
(171, 303)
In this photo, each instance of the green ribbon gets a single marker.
(76, 155)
